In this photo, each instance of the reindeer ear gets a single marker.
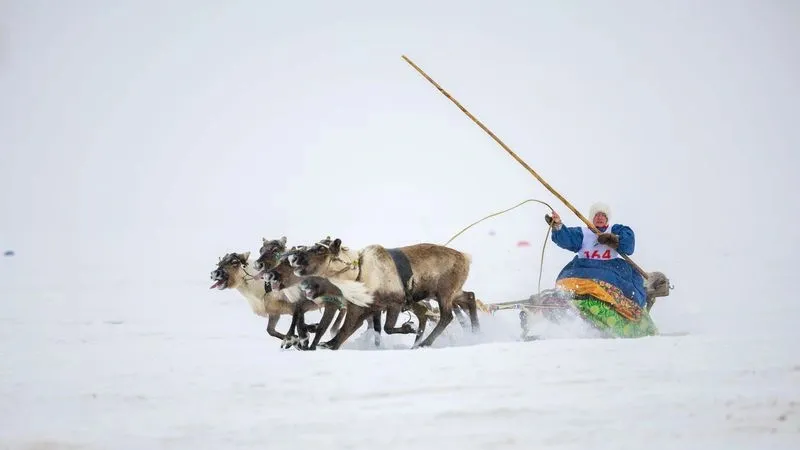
(245, 256)
(263, 239)
(283, 240)
(336, 245)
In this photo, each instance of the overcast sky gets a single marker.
(164, 134)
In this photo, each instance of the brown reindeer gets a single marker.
(464, 300)
(395, 277)
(283, 271)
(279, 278)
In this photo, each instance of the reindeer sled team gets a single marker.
(358, 285)
(353, 286)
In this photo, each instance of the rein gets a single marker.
(544, 245)
(348, 265)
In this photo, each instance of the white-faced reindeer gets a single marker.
(232, 273)
(395, 277)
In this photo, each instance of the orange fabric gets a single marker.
(604, 292)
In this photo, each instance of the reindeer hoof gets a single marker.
(422, 344)
(406, 328)
(296, 342)
(302, 343)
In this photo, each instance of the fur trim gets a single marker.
(600, 207)
(354, 292)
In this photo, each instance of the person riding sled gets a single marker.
(606, 290)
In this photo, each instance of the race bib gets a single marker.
(591, 249)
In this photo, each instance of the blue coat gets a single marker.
(615, 271)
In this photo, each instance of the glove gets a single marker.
(555, 224)
(609, 239)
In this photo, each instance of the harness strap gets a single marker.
(403, 266)
(334, 300)
(358, 263)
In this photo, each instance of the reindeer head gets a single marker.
(316, 286)
(270, 253)
(311, 288)
(230, 273)
(272, 281)
(657, 285)
(314, 259)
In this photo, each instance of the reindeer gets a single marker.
(279, 278)
(334, 294)
(277, 274)
(231, 273)
(282, 274)
(396, 277)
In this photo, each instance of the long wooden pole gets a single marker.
(519, 160)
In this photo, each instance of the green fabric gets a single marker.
(603, 317)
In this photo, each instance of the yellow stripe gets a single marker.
(582, 286)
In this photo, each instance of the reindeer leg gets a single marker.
(445, 316)
(460, 316)
(327, 316)
(355, 317)
(343, 314)
(472, 306)
(311, 327)
(466, 300)
(376, 327)
(272, 321)
(302, 328)
(392, 313)
(422, 317)
(337, 325)
(289, 339)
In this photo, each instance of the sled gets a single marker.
(595, 303)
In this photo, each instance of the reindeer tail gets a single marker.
(354, 292)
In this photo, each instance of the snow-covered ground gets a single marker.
(175, 365)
